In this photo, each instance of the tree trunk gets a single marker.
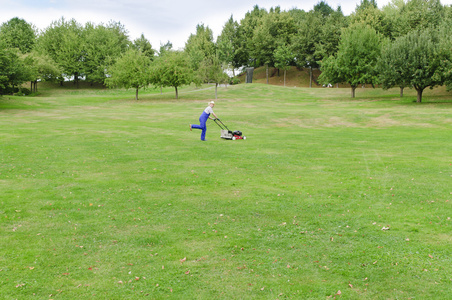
(177, 93)
(310, 76)
(76, 79)
(267, 72)
(419, 94)
(401, 91)
(216, 87)
(31, 86)
(284, 78)
(353, 91)
(136, 94)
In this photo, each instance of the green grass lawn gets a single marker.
(104, 197)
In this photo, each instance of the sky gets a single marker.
(159, 21)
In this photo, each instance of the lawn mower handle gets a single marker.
(221, 124)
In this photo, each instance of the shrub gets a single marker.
(23, 92)
(234, 80)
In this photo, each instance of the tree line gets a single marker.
(407, 43)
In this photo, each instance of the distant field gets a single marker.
(105, 197)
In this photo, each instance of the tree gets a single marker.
(355, 62)
(406, 16)
(131, 70)
(370, 14)
(227, 44)
(164, 48)
(13, 71)
(63, 42)
(198, 47)
(211, 70)
(102, 45)
(17, 33)
(278, 28)
(283, 59)
(41, 68)
(144, 46)
(318, 34)
(391, 67)
(421, 65)
(172, 69)
(329, 35)
(445, 44)
(245, 33)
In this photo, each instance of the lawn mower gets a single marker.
(228, 134)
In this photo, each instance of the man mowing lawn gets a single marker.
(203, 119)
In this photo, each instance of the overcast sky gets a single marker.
(159, 21)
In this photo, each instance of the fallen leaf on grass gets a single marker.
(385, 228)
(188, 272)
(183, 260)
(430, 256)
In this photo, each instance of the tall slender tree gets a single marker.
(227, 44)
(198, 47)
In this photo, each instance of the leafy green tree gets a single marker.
(283, 59)
(445, 44)
(198, 47)
(211, 70)
(356, 59)
(323, 8)
(318, 34)
(17, 33)
(63, 42)
(13, 71)
(365, 4)
(227, 44)
(278, 28)
(246, 30)
(413, 60)
(391, 67)
(329, 35)
(144, 46)
(370, 14)
(40, 68)
(164, 48)
(102, 45)
(131, 70)
(172, 69)
(406, 16)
